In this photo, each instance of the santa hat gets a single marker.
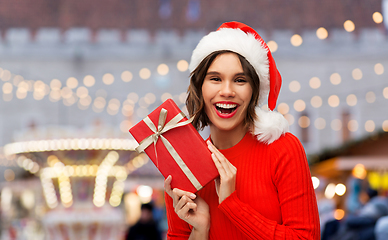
(242, 39)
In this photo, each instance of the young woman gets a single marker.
(264, 190)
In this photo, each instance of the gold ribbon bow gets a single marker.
(162, 128)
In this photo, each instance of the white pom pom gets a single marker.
(269, 126)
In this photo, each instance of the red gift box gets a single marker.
(175, 147)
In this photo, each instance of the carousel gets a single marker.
(82, 174)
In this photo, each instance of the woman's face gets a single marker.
(226, 93)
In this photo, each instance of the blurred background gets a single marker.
(76, 75)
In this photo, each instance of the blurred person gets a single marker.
(264, 190)
(146, 228)
(361, 226)
(381, 228)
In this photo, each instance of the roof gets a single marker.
(182, 15)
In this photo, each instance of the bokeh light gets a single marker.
(377, 17)
(316, 101)
(357, 74)
(315, 83)
(299, 105)
(145, 73)
(320, 123)
(379, 68)
(163, 69)
(304, 122)
(272, 45)
(349, 26)
(322, 33)
(108, 78)
(182, 65)
(335, 78)
(126, 76)
(333, 101)
(370, 126)
(89, 80)
(294, 86)
(296, 40)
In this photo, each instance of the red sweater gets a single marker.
(274, 197)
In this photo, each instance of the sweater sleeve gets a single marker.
(177, 228)
(292, 179)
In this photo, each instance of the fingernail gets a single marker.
(192, 196)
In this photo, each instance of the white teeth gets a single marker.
(226, 106)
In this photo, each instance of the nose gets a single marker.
(227, 89)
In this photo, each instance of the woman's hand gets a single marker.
(226, 183)
(189, 207)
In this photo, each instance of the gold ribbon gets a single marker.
(162, 128)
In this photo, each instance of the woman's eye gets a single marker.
(241, 80)
(215, 79)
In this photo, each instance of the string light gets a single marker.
(294, 86)
(351, 100)
(353, 125)
(72, 82)
(339, 214)
(89, 80)
(283, 108)
(320, 123)
(322, 33)
(108, 78)
(333, 101)
(289, 118)
(163, 69)
(377, 17)
(304, 122)
(379, 68)
(370, 97)
(296, 40)
(41, 89)
(182, 65)
(102, 178)
(315, 181)
(357, 74)
(145, 73)
(272, 45)
(336, 125)
(316, 101)
(370, 126)
(349, 26)
(335, 79)
(133, 97)
(165, 96)
(299, 105)
(330, 191)
(315, 83)
(385, 126)
(150, 98)
(126, 76)
(67, 144)
(7, 88)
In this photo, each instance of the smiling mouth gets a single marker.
(226, 108)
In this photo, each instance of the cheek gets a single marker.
(247, 95)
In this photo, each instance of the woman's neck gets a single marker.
(226, 139)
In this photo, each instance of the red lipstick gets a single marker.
(226, 115)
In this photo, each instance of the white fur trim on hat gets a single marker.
(270, 126)
(236, 40)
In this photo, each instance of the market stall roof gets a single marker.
(371, 152)
(334, 167)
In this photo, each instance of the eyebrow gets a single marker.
(217, 73)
